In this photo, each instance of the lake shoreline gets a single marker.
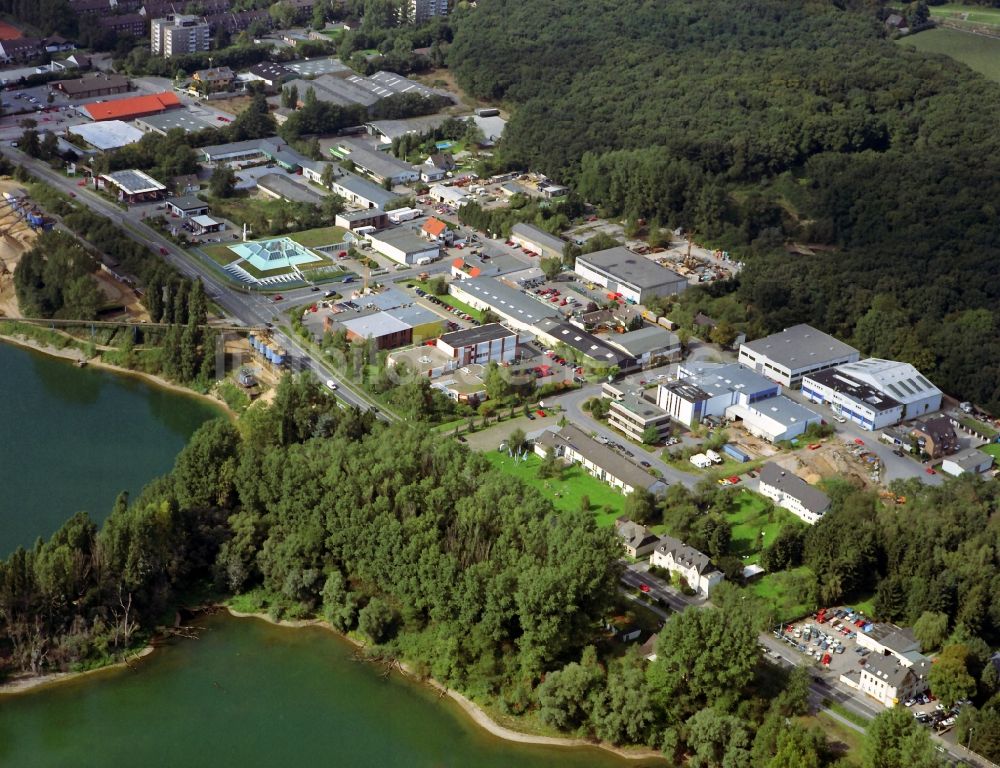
(76, 356)
(476, 713)
(30, 683)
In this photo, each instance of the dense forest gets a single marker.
(758, 123)
(421, 548)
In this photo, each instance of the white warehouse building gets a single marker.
(710, 389)
(635, 277)
(490, 342)
(900, 381)
(853, 400)
(796, 352)
(405, 246)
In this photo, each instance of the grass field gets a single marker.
(753, 527)
(977, 14)
(979, 53)
(220, 254)
(993, 449)
(565, 494)
(312, 238)
(449, 300)
(788, 592)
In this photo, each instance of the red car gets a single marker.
(644, 587)
(733, 480)
(930, 471)
(858, 441)
(278, 297)
(540, 413)
(163, 251)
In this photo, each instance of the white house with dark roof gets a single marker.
(795, 352)
(637, 539)
(696, 568)
(891, 682)
(791, 492)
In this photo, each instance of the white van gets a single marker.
(331, 384)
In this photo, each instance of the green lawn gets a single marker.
(749, 520)
(977, 14)
(788, 592)
(450, 300)
(220, 254)
(993, 449)
(312, 238)
(565, 494)
(979, 53)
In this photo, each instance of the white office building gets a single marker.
(854, 400)
(791, 492)
(490, 342)
(900, 381)
(796, 352)
(773, 419)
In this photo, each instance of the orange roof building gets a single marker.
(132, 108)
(434, 228)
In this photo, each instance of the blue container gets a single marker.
(735, 453)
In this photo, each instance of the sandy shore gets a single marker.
(76, 355)
(24, 683)
(473, 710)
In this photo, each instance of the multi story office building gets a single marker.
(178, 34)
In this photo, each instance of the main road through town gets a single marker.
(248, 307)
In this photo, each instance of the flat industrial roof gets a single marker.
(630, 268)
(478, 335)
(392, 129)
(375, 325)
(187, 203)
(582, 341)
(403, 238)
(647, 339)
(314, 67)
(178, 118)
(716, 378)
(110, 134)
(505, 300)
(283, 186)
(784, 411)
(378, 163)
(800, 346)
(539, 236)
(365, 189)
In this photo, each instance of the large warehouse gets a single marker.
(536, 240)
(900, 381)
(405, 246)
(708, 389)
(861, 403)
(635, 277)
(518, 310)
(795, 352)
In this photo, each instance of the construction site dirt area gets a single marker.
(16, 239)
(832, 458)
(120, 294)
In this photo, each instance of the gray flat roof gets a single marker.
(314, 67)
(506, 300)
(811, 498)
(716, 378)
(399, 84)
(643, 340)
(539, 236)
(784, 411)
(187, 202)
(405, 239)
(176, 118)
(631, 268)
(283, 186)
(470, 336)
(394, 128)
(800, 346)
(366, 189)
(640, 407)
(378, 163)
(109, 134)
(375, 325)
(582, 341)
(970, 459)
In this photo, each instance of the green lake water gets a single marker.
(247, 693)
(71, 439)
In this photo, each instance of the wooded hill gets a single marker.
(763, 122)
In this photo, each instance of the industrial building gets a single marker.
(791, 492)
(282, 187)
(92, 85)
(633, 276)
(369, 217)
(380, 166)
(795, 352)
(405, 246)
(516, 309)
(177, 34)
(854, 400)
(187, 206)
(177, 119)
(450, 195)
(773, 419)
(651, 345)
(709, 389)
(971, 461)
(131, 108)
(490, 342)
(361, 192)
(586, 347)
(900, 381)
(536, 240)
(106, 135)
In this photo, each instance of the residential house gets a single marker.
(437, 167)
(891, 682)
(214, 80)
(435, 230)
(791, 492)
(21, 49)
(638, 540)
(124, 24)
(936, 437)
(574, 446)
(694, 567)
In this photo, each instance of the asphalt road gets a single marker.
(249, 308)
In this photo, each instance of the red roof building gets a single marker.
(135, 107)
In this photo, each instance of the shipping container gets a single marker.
(733, 452)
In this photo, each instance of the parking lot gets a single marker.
(828, 639)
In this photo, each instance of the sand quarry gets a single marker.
(16, 238)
